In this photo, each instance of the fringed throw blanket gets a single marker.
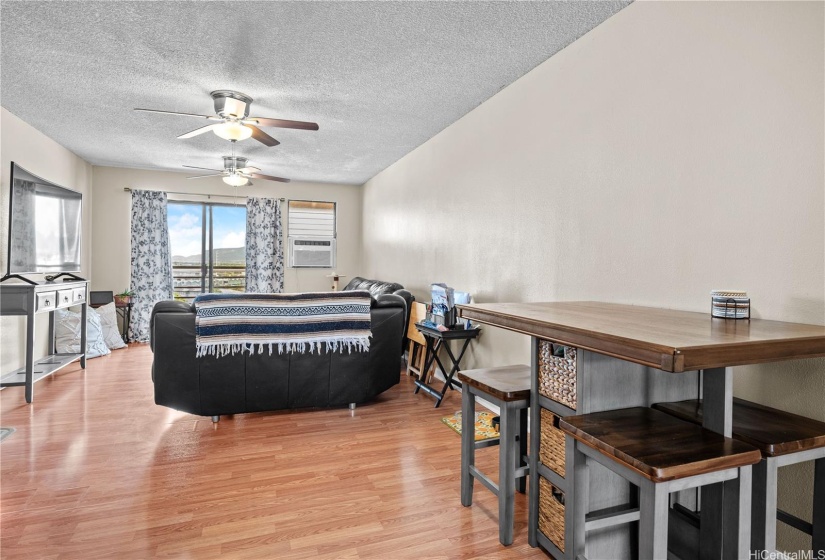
(230, 323)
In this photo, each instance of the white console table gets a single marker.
(29, 300)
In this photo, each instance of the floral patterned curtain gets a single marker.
(264, 248)
(151, 262)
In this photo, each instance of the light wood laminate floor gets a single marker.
(97, 470)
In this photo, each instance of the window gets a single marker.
(207, 242)
(311, 234)
(311, 219)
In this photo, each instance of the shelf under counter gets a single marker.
(43, 367)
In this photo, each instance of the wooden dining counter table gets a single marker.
(620, 353)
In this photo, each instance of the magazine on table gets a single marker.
(442, 312)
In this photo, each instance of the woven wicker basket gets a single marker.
(551, 513)
(557, 375)
(551, 449)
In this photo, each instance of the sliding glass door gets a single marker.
(208, 248)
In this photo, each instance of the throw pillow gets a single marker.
(67, 333)
(108, 323)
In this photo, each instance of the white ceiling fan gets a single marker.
(236, 172)
(235, 124)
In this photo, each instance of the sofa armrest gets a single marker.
(164, 307)
(406, 294)
(390, 300)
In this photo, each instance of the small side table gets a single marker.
(125, 312)
(435, 341)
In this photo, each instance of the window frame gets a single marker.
(292, 236)
(207, 284)
(300, 200)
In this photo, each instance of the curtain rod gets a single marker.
(127, 189)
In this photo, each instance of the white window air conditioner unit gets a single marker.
(312, 252)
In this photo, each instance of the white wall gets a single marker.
(676, 148)
(112, 218)
(42, 156)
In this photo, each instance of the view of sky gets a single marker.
(56, 243)
(186, 223)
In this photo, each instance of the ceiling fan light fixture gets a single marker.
(235, 180)
(233, 131)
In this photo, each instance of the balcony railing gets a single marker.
(187, 280)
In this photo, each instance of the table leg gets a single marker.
(456, 361)
(448, 380)
(448, 377)
(818, 520)
(535, 423)
(521, 483)
(506, 469)
(430, 351)
(433, 346)
(30, 350)
(83, 346)
(717, 397)
(128, 320)
(432, 354)
(468, 447)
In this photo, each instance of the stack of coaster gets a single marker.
(730, 304)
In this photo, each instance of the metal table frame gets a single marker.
(435, 341)
(125, 312)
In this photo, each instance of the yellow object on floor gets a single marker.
(484, 425)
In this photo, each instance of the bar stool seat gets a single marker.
(507, 387)
(783, 438)
(660, 454)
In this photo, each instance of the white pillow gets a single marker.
(108, 323)
(67, 333)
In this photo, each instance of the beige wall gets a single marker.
(676, 148)
(111, 221)
(39, 154)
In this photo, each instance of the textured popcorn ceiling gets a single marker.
(380, 78)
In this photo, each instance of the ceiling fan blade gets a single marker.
(198, 131)
(267, 177)
(204, 168)
(210, 175)
(262, 136)
(282, 123)
(210, 117)
(248, 169)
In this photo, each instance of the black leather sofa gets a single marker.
(239, 383)
(377, 288)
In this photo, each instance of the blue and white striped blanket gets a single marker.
(230, 323)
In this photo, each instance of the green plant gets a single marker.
(125, 293)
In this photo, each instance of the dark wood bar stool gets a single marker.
(508, 388)
(783, 439)
(660, 454)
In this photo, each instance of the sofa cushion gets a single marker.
(374, 287)
(378, 289)
(388, 300)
